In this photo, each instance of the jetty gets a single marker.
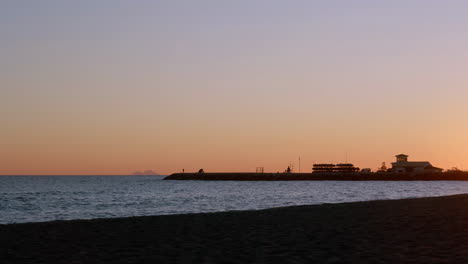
(402, 170)
(333, 176)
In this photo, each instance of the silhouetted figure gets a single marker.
(183, 170)
(201, 171)
(288, 170)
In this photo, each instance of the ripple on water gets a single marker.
(33, 199)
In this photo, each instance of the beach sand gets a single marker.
(425, 230)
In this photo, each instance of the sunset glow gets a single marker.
(113, 87)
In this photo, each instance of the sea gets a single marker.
(48, 198)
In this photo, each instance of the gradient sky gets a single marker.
(111, 87)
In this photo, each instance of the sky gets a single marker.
(113, 87)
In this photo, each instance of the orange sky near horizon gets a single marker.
(109, 89)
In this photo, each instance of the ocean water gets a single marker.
(46, 198)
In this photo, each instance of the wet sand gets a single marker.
(425, 230)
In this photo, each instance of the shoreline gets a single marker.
(418, 230)
(221, 212)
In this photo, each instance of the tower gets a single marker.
(401, 158)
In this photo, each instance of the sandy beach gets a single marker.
(424, 230)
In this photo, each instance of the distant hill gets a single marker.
(146, 173)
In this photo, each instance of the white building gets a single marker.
(402, 165)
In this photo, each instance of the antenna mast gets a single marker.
(299, 164)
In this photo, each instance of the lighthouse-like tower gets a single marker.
(401, 158)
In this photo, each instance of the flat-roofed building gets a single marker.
(341, 167)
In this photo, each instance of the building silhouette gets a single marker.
(402, 165)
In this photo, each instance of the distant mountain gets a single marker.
(146, 173)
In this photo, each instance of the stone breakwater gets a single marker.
(246, 176)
